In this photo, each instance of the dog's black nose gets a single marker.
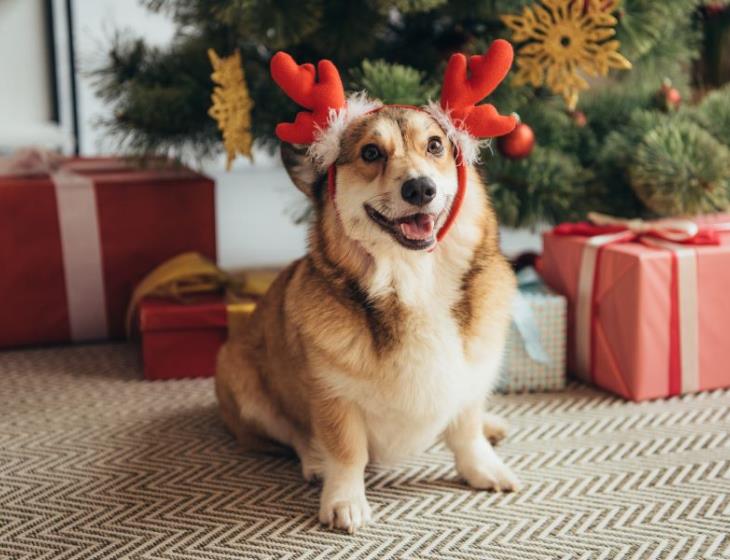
(418, 191)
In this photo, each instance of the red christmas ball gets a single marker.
(669, 96)
(715, 8)
(579, 118)
(673, 98)
(517, 144)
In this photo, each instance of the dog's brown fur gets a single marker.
(319, 322)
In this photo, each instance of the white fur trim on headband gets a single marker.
(326, 147)
(469, 146)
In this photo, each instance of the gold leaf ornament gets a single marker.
(563, 41)
(232, 105)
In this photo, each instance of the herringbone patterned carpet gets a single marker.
(95, 463)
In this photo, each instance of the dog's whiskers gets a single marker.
(381, 203)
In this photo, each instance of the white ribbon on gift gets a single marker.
(80, 239)
(664, 234)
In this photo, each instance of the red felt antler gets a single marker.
(298, 82)
(460, 94)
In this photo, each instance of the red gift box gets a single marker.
(76, 240)
(187, 307)
(181, 340)
(648, 309)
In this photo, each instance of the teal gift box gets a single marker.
(536, 344)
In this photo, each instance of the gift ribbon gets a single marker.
(190, 274)
(675, 236)
(80, 243)
(81, 249)
(524, 320)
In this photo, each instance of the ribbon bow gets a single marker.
(674, 230)
(31, 161)
(191, 274)
(524, 319)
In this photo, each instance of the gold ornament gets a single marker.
(564, 39)
(231, 104)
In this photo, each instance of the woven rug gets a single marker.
(96, 463)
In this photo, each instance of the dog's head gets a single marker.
(396, 172)
(393, 173)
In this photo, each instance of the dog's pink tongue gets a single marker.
(418, 227)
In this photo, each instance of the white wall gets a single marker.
(24, 84)
(96, 22)
(255, 209)
(25, 88)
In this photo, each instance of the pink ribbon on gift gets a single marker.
(80, 242)
(675, 235)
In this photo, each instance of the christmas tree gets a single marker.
(601, 85)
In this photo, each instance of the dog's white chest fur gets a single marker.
(428, 380)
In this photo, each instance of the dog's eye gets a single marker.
(370, 152)
(435, 147)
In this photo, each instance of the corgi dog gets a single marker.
(387, 336)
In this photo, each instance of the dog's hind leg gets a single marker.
(246, 407)
(249, 427)
(251, 415)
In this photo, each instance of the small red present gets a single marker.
(76, 236)
(186, 308)
(648, 302)
(182, 339)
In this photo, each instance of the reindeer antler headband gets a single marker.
(329, 113)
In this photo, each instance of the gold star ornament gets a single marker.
(562, 42)
(232, 105)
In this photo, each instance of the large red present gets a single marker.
(78, 235)
(649, 304)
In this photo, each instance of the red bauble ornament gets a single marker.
(669, 96)
(579, 118)
(517, 144)
(715, 8)
(673, 97)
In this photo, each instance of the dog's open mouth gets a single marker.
(415, 231)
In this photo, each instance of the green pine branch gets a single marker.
(632, 157)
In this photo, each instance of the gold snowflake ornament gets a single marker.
(231, 105)
(563, 41)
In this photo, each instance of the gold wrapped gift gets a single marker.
(190, 275)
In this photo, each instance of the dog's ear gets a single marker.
(300, 167)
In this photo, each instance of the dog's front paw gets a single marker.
(348, 513)
(491, 474)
